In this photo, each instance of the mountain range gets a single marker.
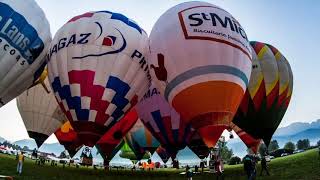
(297, 127)
(293, 133)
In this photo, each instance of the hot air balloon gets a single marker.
(109, 144)
(163, 122)
(201, 62)
(24, 39)
(197, 145)
(68, 138)
(40, 112)
(268, 93)
(140, 140)
(98, 70)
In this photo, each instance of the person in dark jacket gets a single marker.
(189, 173)
(264, 166)
(202, 166)
(249, 164)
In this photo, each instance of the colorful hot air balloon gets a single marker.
(111, 140)
(197, 145)
(201, 60)
(163, 122)
(98, 70)
(268, 93)
(40, 112)
(141, 140)
(24, 39)
(68, 138)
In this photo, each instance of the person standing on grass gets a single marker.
(218, 163)
(264, 166)
(20, 162)
(249, 166)
(189, 173)
(202, 166)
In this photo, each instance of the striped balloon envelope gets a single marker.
(68, 138)
(268, 93)
(285, 81)
(110, 142)
(201, 62)
(140, 140)
(163, 122)
(98, 70)
(24, 40)
(40, 111)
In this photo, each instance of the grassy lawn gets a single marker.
(304, 165)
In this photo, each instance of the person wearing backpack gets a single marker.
(247, 165)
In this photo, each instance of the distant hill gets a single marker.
(55, 148)
(30, 143)
(312, 134)
(297, 127)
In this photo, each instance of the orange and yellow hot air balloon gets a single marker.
(268, 94)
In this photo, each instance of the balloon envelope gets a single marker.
(268, 93)
(109, 143)
(163, 122)
(68, 138)
(98, 71)
(141, 140)
(40, 112)
(24, 39)
(201, 61)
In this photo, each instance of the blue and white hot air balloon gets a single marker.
(24, 39)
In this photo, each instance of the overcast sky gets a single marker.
(291, 26)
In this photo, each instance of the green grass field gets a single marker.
(304, 165)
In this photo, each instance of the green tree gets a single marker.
(273, 145)
(263, 149)
(63, 154)
(226, 153)
(234, 160)
(318, 143)
(290, 145)
(303, 144)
